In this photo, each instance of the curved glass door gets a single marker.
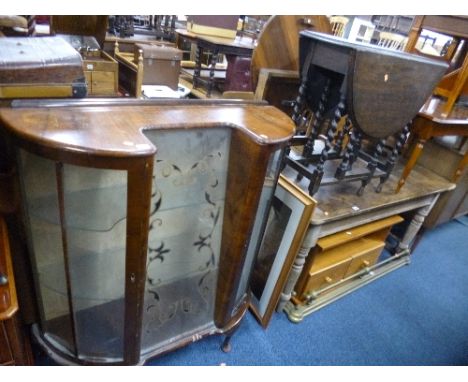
(77, 223)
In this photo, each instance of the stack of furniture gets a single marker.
(363, 87)
(342, 249)
(347, 103)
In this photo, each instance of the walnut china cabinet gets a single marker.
(138, 217)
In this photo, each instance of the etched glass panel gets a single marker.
(39, 187)
(95, 202)
(189, 187)
(266, 196)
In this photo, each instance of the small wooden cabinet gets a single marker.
(341, 255)
(101, 73)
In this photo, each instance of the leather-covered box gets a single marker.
(161, 64)
(238, 74)
(35, 67)
(213, 25)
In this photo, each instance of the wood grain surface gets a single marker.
(117, 131)
(278, 43)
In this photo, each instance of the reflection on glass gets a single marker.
(39, 186)
(432, 43)
(274, 233)
(189, 187)
(266, 196)
(95, 205)
(77, 224)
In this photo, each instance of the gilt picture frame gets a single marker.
(288, 219)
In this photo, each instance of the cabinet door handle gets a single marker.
(3, 279)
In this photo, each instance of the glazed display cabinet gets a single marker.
(139, 217)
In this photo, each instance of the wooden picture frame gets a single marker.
(288, 219)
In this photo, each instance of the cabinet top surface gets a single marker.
(118, 130)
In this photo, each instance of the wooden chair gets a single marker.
(130, 73)
(454, 82)
(392, 40)
(338, 24)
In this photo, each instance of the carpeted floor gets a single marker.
(417, 315)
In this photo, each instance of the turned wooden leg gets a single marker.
(318, 117)
(330, 137)
(197, 70)
(213, 61)
(390, 164)
(309, 242)
(411, 162)
(415, 225)
(226, 346)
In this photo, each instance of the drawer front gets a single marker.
(364, 260)
(327, 276)
(6, 358)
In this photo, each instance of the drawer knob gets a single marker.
(366, 263)
(328, 280)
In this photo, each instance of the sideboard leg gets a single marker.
(415, 225)
(226, 346)
(309, 242)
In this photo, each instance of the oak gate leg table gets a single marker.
(240, 46)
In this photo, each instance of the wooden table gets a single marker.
(127, 44)
(340, 210)
(430, 123)
(240, 46)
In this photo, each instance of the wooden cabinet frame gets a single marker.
(111, 135)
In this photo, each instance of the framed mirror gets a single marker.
(287, 224)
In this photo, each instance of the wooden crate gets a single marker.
(102, 74)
